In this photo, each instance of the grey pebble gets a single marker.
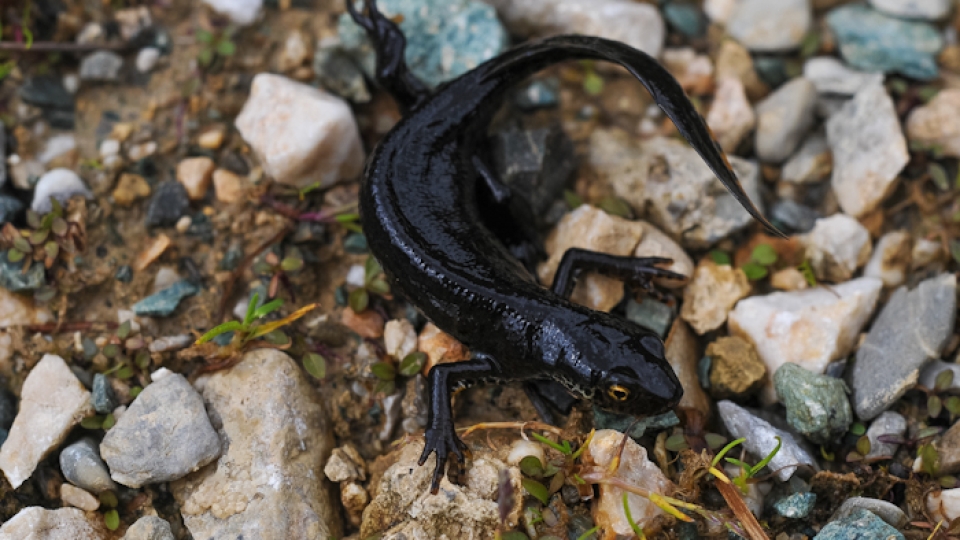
(167, 205)
(784, 118)
(888, 512)
(149, 528)
(796, 506)
(760, 440)
(859, 525)
(888, 423)
(101, 66)
(163, 303)
(14, 279)
(81, 465)
(817, 405)
(103, 397)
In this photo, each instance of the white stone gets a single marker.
(693, 71)
(270, 477)
(654, 243)
(61, 184)
(36, 523)
(868, 150)
(18, 309)
(765, 26)
(242, 12)
(399, 338)
(522, 448)
(132, 21)
(82, 499)
(52, 402)
(635, 469)
(667, 181)
(932, 123)
(831, 76)
(719, 11)
(195, 174)
(638, 25)
(147, 59)
(101, 66)
(302, 135)
(931, 10)
(891, 259)
(683, 352)
(711, 294)
(57, 146)
(783, 119)
(109, 148)
(836, 247)
(149, 528)
(811, 163)
(295, 51)
(590, 228)
(356, 276)
(730, 117)
(888, 423)
(810, 327)
(925, 252)
(944, 505)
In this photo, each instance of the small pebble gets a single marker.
(783, 120)
(891, 424)
(149, 528)
(712, 292)
(103, 397)
(891, 259)
(81, 465)
(169, 203)
(817, 405)
(171, 343)
(764, 26)
(228, 186)
(147, 59)
(60, 184)
(195, 175)
(101, 66)
(163, 303)
(859, 525)
(796, 506)
(241, 12)
(368, 324)
(836, 247)
(212, 139)
(735, 369)
(74, 496)
(130, 188)
(154, 249)
(761, 440)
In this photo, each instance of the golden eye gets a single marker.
(618, 393)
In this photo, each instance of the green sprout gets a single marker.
(214, 46)
(387, 373)
(373, 283)
(761, 259)
(747, 471)
(129, 357)
(111, 518)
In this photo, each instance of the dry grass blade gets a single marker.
(750, 524)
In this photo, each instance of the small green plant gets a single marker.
(721, 258)
(213, 46)
(109, 502)
(129, 358)
(939, 398)
(762, 258)
(49, 237)
(251, 327)
(747, 471)
(592, 83)
(387, 373)
(279, 270)
(572, 199)
(373, 283)
(615, 206)
(806, 270)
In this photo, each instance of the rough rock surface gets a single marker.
(913, 328)
(268, 484)
(731, 116)
(764, 26)
(711, 294)
(667, 181)
(868, 150)
(302, 135)
(810, 327)
(930, 124)
(36, 523)
(52, 402)
(761, 439)
(783, 119)
(164, 435)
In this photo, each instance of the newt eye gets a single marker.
(618, 393)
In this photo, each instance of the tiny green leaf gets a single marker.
(754, 271)
(108, 499)
(51, 249)
(135, 391)
(952, 405)
(33, 219)
(205, 57)
(944, 380)
(111, 518)
(204, 36)
(764, 254)
(124, 373)
(142, 359)
(563, 449)
(385, 371)
(20, 243)
(109, 421)
(359, 300)
(536, 489)
(863, 445)
(276, 337)
(315, 365)
(807, 270)
(39, 237)
(385, 387)
(858, 429)
(15, 255)
(371, 269)
(939, 176)
(251, 309)
(229, 326)
(378, 286)
(291, 265)
(727, 448)
(124, 330)
(810, 45)
(676, 442)
(412, 363)
(226, 48)
(931, 459)
(111, 350)
(572, 199)
(720, 257)
(267, 308)
(763, 462)
(92, 422)
(934, 406)
(633, 524)
(59, 226)
(592, 83)
(349, 217)
(616, 206)
(531, 466)
(714, 440)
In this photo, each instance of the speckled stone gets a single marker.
(817, 405)
(165, 302)
(859, 525)
(796, 506)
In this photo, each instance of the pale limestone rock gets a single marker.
(17, 309)
(764, 26)
(811, 327)
(891, 259)
(731, 117)
(52, 402)
(79, 498)
(195, 175)
(149, 528)
(268, 484)
(932, 123)
(788, 279)
(302, 135)
(36, 523)
(399, 338)
(667, 181)
(638, 25)
(590, 228)
(944, 504)
(440, 347)
(783, 119)
(683, 352)
(811, 163)
(635, 469)
(711, 294)
(868, 150)
(403, 507)
(831, 76)
(693, 71)
(228, 186)
(654, 243)
(241, 12)
(836, 247)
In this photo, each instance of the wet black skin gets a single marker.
(420, 212)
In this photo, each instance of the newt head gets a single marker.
(627, 366)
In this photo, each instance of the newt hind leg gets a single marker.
(636, 271)
(390, 44)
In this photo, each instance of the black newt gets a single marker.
(421, 212)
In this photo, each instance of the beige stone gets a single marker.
(932, 123)
(440, 347)
(36, 523)
(636, 470)
(230, 188)
(212, 138)
(891, 259)
(130, 188)
(277, 438)
(683, 352)
(655, 243)
(80, 498)
(368, 324)
(590, 228)
(731, 117)
(301, 134)
(195, 174)
(735, 368)
(711, 294)
(17, 309)
(52, 402)
(399, 338)
(155, 248)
